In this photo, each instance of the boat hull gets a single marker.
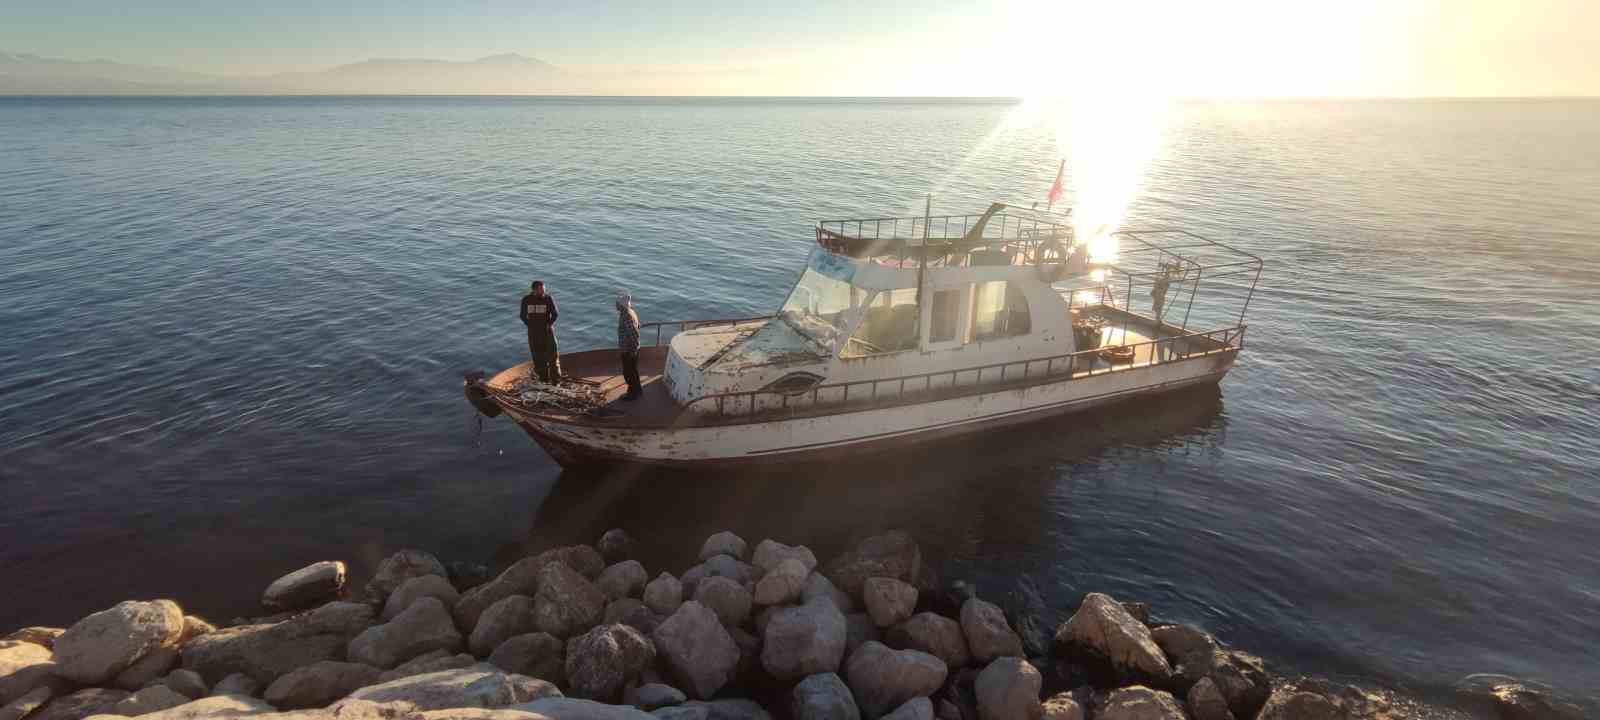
(828, 437)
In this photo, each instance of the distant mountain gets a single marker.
(510, 73)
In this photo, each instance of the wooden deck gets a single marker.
(604, 368)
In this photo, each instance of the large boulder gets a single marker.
(478, 686)
(565, 708)
(622, 580)
(723, 543)
(400, 567)
(727, 598)
(882, 679)
(934, 634)
(615, 545)
(105, 643)
(410, 591)
(1008, 689)
(79, 705)
(424, 627)
(664, 594)
(988, 635)
(781, 584)
(153, 665)
(804, 640)
(1141, 703)
(819, 587)
(914, 709)
(698, 651)
(320, 684)
(536, 655)
(566, 603)
(309, 586)
(430, 662)
(823, 696)
(522, 578)
(602, 661)
(505, 619)
(770, 553)
(265, 652)
(892, 555)
(1103, 634)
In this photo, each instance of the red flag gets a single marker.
(1055, 190)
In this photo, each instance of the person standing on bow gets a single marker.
(628, 344)
(539, 314)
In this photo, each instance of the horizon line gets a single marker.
(977, 98)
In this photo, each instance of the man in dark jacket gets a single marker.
(628, 343)
(539, 314)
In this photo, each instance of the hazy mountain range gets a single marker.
(24, 74)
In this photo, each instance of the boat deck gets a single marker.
(603, 368)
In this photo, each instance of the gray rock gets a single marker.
(732, 568)
(883, 679)
(29, 702)
(1062, 706)
(1206, 702)
(781, 584)
(804, 640)
(727, 598)
(697, 650)
(889, 601)
(823, 696)
(565, 708)
(650, 696)
(309, 586)
(770, 553)
(479, 686)
(105, 643)
(1141, 703)
(503, 620)
(1102, 631)
(681, 712)
(430, 662)
(892, 555)
(600, 662)
(187, 683)
(691, 578)
(424, 627)
(914, 709)
(80, 704)
(400, 567)
(723, 543)
(522, 578)
(934, 634)
(237, 684)
(536, 655)
(434, 586)
(1008, 689)
(1180, 641)
(988, 635)
(153, 665)
(615, 545)
(38, 635)
(566, 604)
(629, 611)
(858, 628)
(819, 587)
(151, 699)
(664, 594)
(624, 579)
(265, 652)
(320, 684)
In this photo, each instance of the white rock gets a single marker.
(782, 583)
(889, 601)
(769, 553)
(1008, 689)
(723, 543)
(309, 586)
(423, 627)
(434, 586)
(101, 645)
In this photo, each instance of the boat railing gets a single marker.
(945, 384)
(683, 325)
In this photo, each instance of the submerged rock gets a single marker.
(98, 647)
(697, 649)
(309, 586)
(1514, 699)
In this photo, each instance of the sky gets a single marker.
(1014, 48)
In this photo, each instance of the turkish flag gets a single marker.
(1055, 190)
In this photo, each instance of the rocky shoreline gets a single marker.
(585, 633)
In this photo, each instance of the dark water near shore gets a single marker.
(231, 332)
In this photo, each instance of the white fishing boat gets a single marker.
(904, 330)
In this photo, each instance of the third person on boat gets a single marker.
(628, 344)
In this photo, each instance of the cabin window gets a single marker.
(946, 316)
(999, 310)
(820, 307)
(889, 325)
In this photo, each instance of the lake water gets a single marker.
(232, 332)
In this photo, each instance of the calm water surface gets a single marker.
(232, 331)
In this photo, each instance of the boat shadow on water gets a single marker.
(988, 486)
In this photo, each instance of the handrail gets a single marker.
(685, 325)
(1232, 338)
